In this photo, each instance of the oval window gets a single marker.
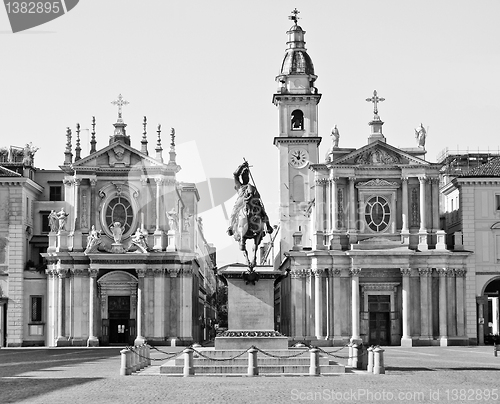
(377, 213)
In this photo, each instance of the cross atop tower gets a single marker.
(375, 99)
(120, 102)
(294, 17)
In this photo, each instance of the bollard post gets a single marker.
(354, 356)
(125, 362)
(148, 355)
(140, 357)
(369, 366)
(188, 362)
(349, 359)
(362, 359)
(314, 369)
(133, 360)
(378, 361)
(253, 369)
(495, 349)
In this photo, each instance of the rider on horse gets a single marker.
(248, 218)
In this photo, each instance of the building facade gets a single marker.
(360, 231)
(471, 214)
(108, 249)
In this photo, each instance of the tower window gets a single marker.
(297, 121)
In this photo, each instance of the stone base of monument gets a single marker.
(250, 304)
(117, 248)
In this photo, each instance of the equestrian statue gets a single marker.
(248, 219)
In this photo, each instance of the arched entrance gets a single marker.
(490, 319)
(118, 295)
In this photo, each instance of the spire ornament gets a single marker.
(78, 149)
(158, 145)
(294, 17)
(93, 141)
(68, 156)
(120, 102)
(144, 141)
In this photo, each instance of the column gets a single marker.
(406, 339)
(328, 206)
(319, 206)
(318, 302)
(337, 305)
(443, 313)
(425, 304)
(93, 183)
(52, 306)
(186, 333)
(141, 273)
(144, 201)
(159, 299)
(334, 201)
(60, 308)
(297, 299)
(422, 232)
(93, 340)
(355, 304)
(405, 233)
(435, 204)
(460, 291)
(309, 306)
(352, 206)
(158, 234)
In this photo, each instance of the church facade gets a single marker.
(360, 231)
(108, 249)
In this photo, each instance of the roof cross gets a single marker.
(120, 102)
(375, 99)
(294, 17)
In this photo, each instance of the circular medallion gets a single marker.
(298, 158)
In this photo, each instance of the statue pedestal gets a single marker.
(117, 248)
(171, 241)
(52, 243)
(159, 238)
(62, 241)
(250, 309)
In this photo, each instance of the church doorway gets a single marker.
(379, 308)
(119, 319)
(490, 318)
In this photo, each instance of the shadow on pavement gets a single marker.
(23, 388)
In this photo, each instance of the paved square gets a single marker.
(424, 375)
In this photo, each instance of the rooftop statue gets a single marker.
(93, 240)
(420, 135)
(139, 239)
(62, 216)
(248, 218)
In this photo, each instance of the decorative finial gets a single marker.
(294, 17)
(172, 138)
(144, 141)
(78, 149)
(93, 141)
(68, 156)
(158, 145)
(375, 99)
(120, 102)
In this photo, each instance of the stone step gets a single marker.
(237, 369)
(261, 361)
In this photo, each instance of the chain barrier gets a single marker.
(278, 356)
(220, 359)
(172, 354)
(365, 352)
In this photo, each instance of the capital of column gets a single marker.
(460, 272)
(318, 272)
(78, 182)
(321, 181)
(51, 272)
(141, 272)
(404, 178)
(67, 182)
(352, 179)
(62, 272)
(186, 272)
(173, 272)
(405, 271)
(333, 178)
(144, 181)
(298, 273)
(425, 272)
(354, 271)
(422, 178)
(158, 180)
(93, 272)
(76, 271)
(158, 272)
(443, 272)
(93, 182)
(334, 272)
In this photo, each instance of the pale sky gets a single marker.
(208, 68)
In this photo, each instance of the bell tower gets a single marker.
(298, 142)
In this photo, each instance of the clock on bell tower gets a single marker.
(298, 142)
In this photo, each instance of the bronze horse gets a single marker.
(248, 218)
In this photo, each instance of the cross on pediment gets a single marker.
(120, 102)
(375, 99)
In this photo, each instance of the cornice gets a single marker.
(291, 140)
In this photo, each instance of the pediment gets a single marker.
(117, 155)
(379, 154)
(117, 277)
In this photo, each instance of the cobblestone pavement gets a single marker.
(91, 375)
